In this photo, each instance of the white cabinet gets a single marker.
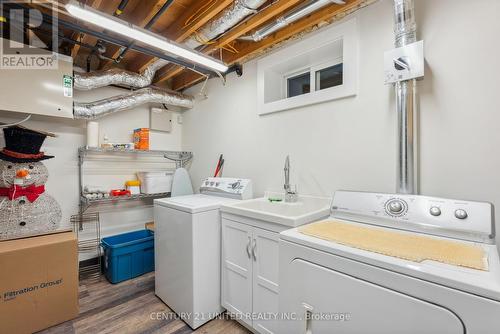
(237, 269)
(250, 257)
(265, 250)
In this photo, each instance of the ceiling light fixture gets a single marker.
(129, 30)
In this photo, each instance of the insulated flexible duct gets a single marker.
(97, 109)
(115, 76)
(228, 19)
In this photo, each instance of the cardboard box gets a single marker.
(150, 226)
(141, 139)
(38, 282)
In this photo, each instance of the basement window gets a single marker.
(317, 69)
(320, 77)
(298, 84)
(330, 77)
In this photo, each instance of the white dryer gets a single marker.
(327, 287)
(188, 250)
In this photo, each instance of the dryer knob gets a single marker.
(461, 214)
(396, 207)
(435, 211)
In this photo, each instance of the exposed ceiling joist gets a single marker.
(179, 31)
(255, 21)
(79, 36)
(183, 19)
(144, 12)
(248, 50)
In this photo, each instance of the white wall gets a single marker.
(63, 169)
(351, 143)
(343, 144)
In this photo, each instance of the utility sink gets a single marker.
(307, 209)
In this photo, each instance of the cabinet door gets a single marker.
(265, 253)
(237, 269)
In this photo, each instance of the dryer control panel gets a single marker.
(227, 187)
(466, 220)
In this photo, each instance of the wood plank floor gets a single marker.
(128, 307)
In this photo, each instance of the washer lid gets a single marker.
(483, 283)
(193, 203)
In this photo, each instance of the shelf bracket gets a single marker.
(181, 160)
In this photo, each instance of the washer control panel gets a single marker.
(227, 187)
(396, 207)
(459, 219)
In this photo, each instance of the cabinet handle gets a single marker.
(308, 316)
(253, 249)
(248, 248)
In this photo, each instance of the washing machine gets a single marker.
(345, 287)
(188, 248)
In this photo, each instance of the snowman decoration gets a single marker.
(25, 207)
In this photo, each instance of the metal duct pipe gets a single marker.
(295, 14)
(229, 18)
(116, 76)
(405, 30)
(114, 104)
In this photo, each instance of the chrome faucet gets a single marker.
(290, 190)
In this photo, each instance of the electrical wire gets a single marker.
(202, 90)
(203, 9)
(202, 39)
(221, 77)
(17, 123)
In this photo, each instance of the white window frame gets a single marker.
(312, 70)
(347, 32)
(323, 66)
(292, 74)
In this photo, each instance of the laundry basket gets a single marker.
(155, 182)
(128, 255)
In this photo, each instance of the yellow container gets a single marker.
(134, 186)
(133, 183)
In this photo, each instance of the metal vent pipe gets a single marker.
(304, 9)
(228, 19)
(405, 30)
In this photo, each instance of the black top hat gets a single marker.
(23, 145)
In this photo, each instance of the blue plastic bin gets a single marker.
(128, 255)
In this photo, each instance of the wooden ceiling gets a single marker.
(184, 18)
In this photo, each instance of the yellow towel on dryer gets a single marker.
(403, 245)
